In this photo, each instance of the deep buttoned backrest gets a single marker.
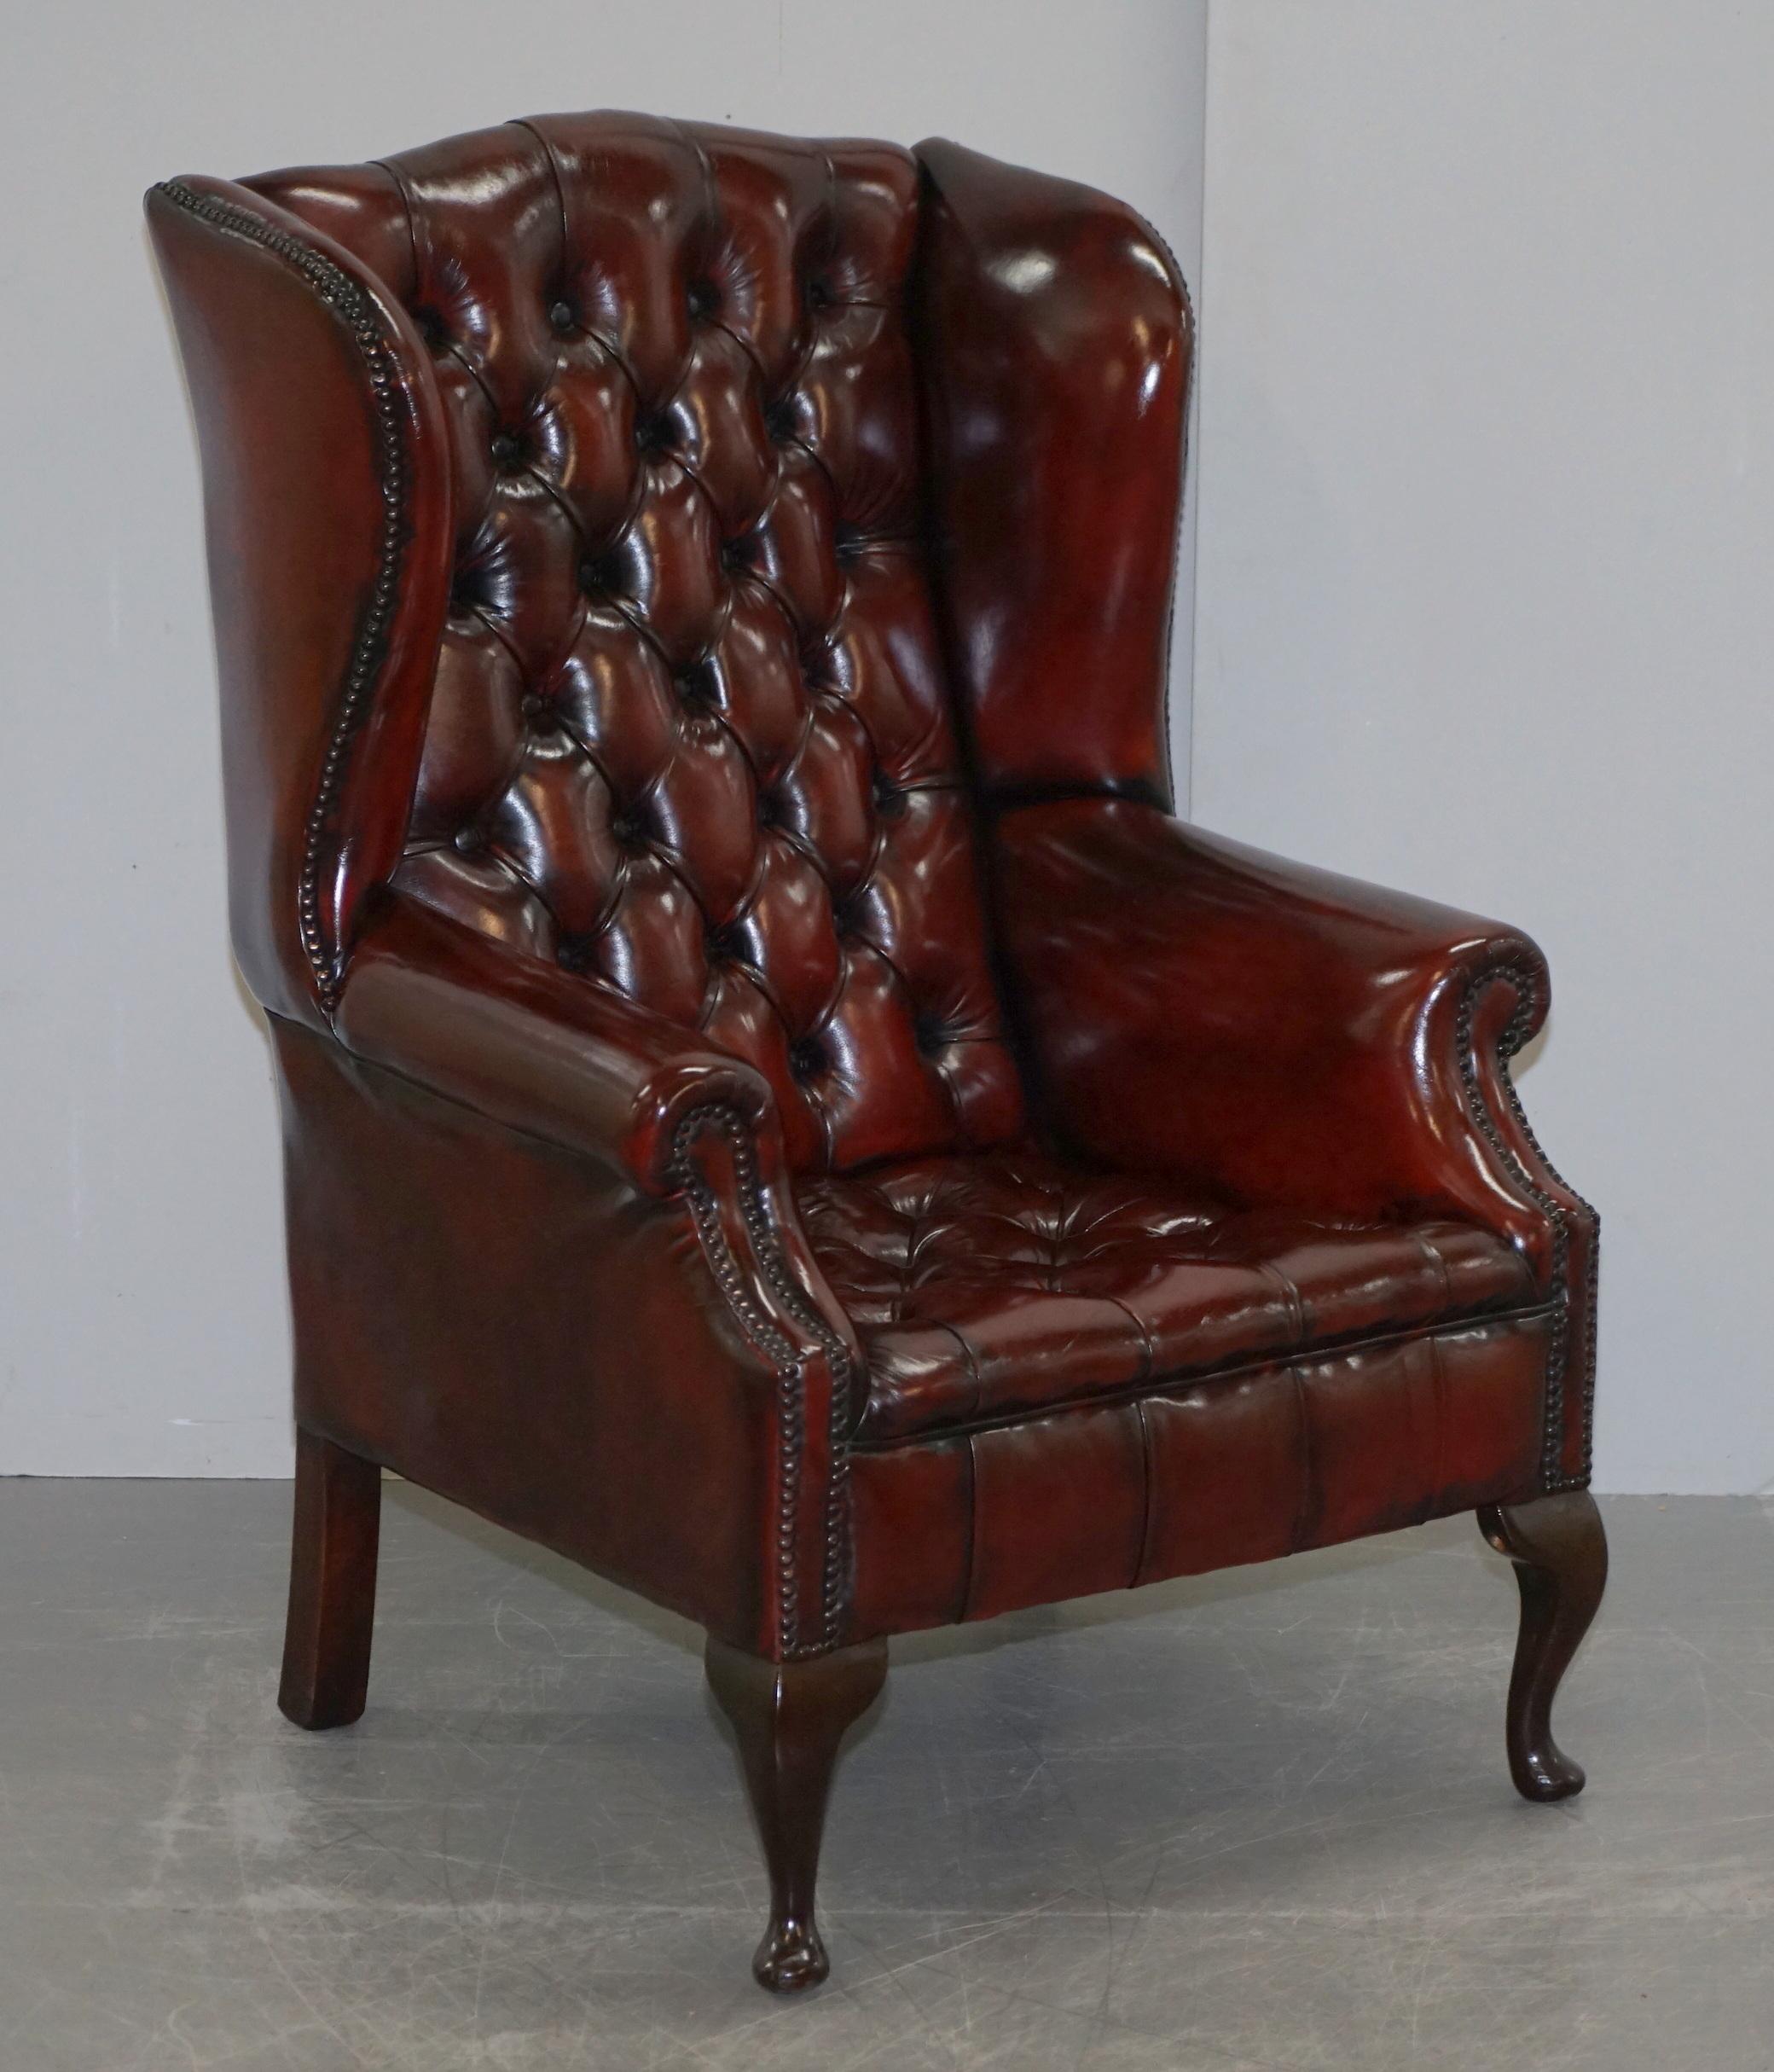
(690, 734)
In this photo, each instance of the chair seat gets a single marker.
(1007, 1282)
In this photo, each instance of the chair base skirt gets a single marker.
(1222, 1472)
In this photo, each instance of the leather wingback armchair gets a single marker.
(776, 1107)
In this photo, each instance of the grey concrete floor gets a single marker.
(1256, 1820)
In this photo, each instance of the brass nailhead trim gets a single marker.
(343, 295)
(790, 1375)
(1552, 1475)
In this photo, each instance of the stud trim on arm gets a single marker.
(1516, 1032)
(790, 1369)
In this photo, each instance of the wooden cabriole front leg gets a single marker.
(789, 1717)
(1561, 1558)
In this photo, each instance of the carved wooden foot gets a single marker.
(1561, 1558)
(331, 1585)
(790, 1718)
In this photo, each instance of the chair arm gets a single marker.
(1285, 1034)
(565, 1060)
(537, 1049)
(577, 1065)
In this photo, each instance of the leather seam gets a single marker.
(972, 1365)
(1178, 1378)
(1186, 309)
(1438, 1265)
(336, 289)
(1438, 1406)
(1143, 1560)
(1148, 1352)
(1303, 1517)
(972, 1569)
(1293, 1300)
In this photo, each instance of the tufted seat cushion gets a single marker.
(1007, 1282)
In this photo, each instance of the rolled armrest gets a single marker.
(694, 1336)
(1282, 1033)
(537, 1048)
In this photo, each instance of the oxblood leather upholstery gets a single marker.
(1002, 1283)
(775, 1108)
(689, 732)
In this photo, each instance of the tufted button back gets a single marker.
(690, 734)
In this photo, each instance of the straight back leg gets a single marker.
(332, 1584)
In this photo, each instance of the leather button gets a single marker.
(541, 712)
(653, 432)
(469, 841)
(819, 294)
(806, 1060)
(770, 810)
(600, 575)
(696, 686)
(506, 450)
(703, 299)
(890, 799)
(780, 420)
(563, 316)
(931, 1032)
(724, 945)
(430, 328)
(633, 828)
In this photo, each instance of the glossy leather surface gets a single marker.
(312, 529)
(1292, 1038)
(774, 1107)
(521, 1040)
(1196, 1475)
(1007, 1282)
(689, 732)
(1057, 344)
(517, 1327)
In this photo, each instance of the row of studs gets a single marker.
(1581, 1480)
(1552, 1477)
(343, 295)
(790, 1373)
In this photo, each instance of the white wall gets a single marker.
(1486, 582)
(143, 1323)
